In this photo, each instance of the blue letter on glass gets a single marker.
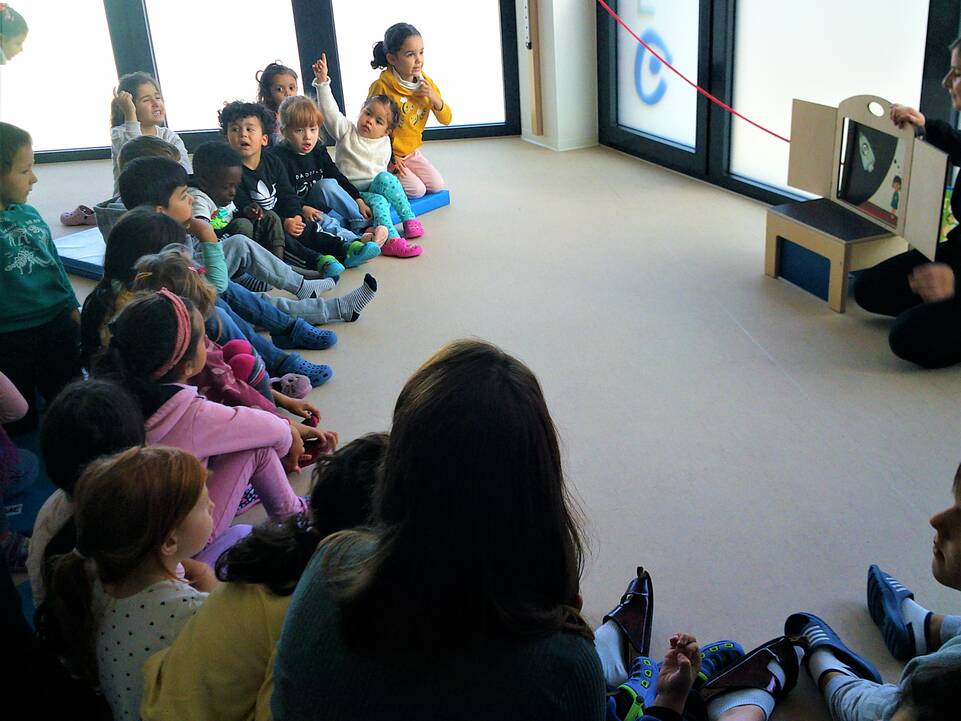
(651, 37)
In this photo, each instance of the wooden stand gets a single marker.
(848, 241)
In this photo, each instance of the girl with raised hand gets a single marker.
(401, 55)
(155, 347)
(363, 154)
(116, 599)
(138, 109)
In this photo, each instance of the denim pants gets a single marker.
(327, 195)
(233, 326)
(245, 256)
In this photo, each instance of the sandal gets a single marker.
(81, 215)
(715, 657)
(751, 672)
(634, 615)
(638, 692)
(413, 229)
(885, 595)
(817, 634)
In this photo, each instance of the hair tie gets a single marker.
(197, 269)
(182, 341)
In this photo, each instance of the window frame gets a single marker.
(129, 28)
(711, 160)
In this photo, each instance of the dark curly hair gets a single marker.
(238, 110)
(391, 106)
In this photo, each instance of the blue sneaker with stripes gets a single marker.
(885, 595)
(817, 634)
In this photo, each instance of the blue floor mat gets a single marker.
(82, 253)
(425, 204)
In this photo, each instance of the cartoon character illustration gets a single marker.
(22, 255)
(896, 196)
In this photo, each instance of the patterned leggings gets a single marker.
(384, 193)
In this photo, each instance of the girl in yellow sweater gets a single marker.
(401, 54)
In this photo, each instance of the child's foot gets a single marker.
(413, 229)
(902, 622)
(318, 374)
(818, 636)
(329, 267)
(636, 695)
(304, 335)
(715, 656)
(400, 248)
(358, 253)
(313, 288)
(354, 302)
(254, 285)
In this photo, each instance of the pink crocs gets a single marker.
(400, 248)
(413, 229)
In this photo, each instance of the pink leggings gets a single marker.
(261, 467)
(421, 177)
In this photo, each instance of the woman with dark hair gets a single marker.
(923, 296)
(463, 602)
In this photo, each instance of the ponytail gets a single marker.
(393, 41)
(65, 621)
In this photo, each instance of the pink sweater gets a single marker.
(190, 422)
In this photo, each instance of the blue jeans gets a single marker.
(233, 326)
(327, 195)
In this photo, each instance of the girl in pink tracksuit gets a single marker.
(156, 345)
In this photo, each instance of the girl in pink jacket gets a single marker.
(156, 345)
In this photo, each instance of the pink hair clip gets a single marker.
(198, 269)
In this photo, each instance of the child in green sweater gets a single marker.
(39, 321)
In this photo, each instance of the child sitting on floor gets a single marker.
(39, 322)
(156, 345)
(401, 55)
(275, 83)
(321, 187)
(265, 187)
(138, 109)
(221, 665)
(363, 153)
(18, 471)
(116, 599)
(92, 418)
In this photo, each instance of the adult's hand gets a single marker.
(933, 282)
(902, 115)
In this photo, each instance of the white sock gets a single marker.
(915, 616)
(609, 644)
(313, 288)
(823, 660)
(741, 697)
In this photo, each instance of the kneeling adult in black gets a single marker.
(923, 296)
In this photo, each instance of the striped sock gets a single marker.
(354, 302)
(313, 288)
(254, 285)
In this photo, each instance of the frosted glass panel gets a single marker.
(462, 52)
(789, 50)
(207, 53)
(651, 98)
(59, 88)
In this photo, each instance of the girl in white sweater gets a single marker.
(363, 153)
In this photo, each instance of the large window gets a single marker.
(201, 62)
(465, 64)
(206, 52)
(786, 51)
(650, 98)
(59, 87)
(757, 56)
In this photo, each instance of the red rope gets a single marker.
(702, 91)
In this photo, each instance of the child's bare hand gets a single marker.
(291, 462)
(364, 209)
(677, 673)
(300, 407)
(320, 70)
(254, 212)
(312, 213)
(426, 91)
(199, 575)
(294, 226)
(123, 101)
(399, 167)
(328, 441)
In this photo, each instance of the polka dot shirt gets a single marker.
(134, 628)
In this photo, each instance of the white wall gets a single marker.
(568, 74)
